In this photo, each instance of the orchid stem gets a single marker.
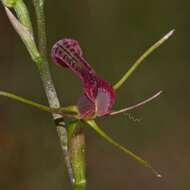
(136, 105)
(142, 58)
(93, 125)
(48, 82)
(78, 155)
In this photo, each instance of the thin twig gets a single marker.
(136, 105)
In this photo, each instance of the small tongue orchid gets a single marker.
(98, 94)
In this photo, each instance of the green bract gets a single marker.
(9, 3)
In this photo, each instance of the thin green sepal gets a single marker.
(94, 126)
(70, 111)
(26, 101)
(140, 60)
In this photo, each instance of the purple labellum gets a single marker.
(99, 95)
(105, 98)
(86, 107)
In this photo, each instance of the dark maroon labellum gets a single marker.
(99, 95)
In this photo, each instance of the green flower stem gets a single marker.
(72, 126)
(49, 85)
(44, 65)
(77, 157)
(24, 29)
(94, 126)
(63, 140)
(141, 59)
(41, 24)
(77, 144)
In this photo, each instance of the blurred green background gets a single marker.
(112, 34)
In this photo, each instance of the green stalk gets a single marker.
(77, 157)
(142, 58)
(44, 65)
(41, 24)
(23, 27)
(74, 151)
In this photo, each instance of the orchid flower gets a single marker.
(98, 96)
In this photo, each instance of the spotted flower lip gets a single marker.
(99, 95)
